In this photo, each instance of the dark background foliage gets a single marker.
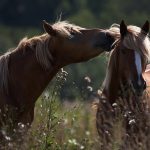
(19, 18)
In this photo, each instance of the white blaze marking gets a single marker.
(138, 65)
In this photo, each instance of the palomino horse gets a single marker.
(124, 83)
(26, 71)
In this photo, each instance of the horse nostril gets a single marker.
(139, 87)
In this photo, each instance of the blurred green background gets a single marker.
(19, 18)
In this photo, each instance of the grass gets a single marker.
(63, 126)
(125, 125)
(72, 125)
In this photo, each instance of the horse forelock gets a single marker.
(64, 28)
(135, 39)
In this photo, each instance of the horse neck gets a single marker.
(27, 78)
(111, 82)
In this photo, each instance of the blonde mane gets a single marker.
(4, 60)
(64, 28)
(41, 44)
(135, 39)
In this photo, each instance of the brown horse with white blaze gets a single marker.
(26, 71)
(127, 62)
(124, 83)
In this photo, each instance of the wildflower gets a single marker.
(21, 125)
(87, 133)
(107, 132)
(90, 88)
(65, 121)
(46, 95)
(81, 147)
(73, 141)
(58, 122)
(132, 121)
(7, 138)
(63, 71)
(127, 113)
(99, 92)
(44, 134)
(87, 79)
(114, 104)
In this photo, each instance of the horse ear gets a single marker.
(49, 29)
(145, 27)
(123, 29)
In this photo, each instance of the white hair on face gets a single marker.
(138, 64)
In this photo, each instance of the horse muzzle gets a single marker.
(139, 88)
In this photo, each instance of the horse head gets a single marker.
(73, 44)
(128, 60)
